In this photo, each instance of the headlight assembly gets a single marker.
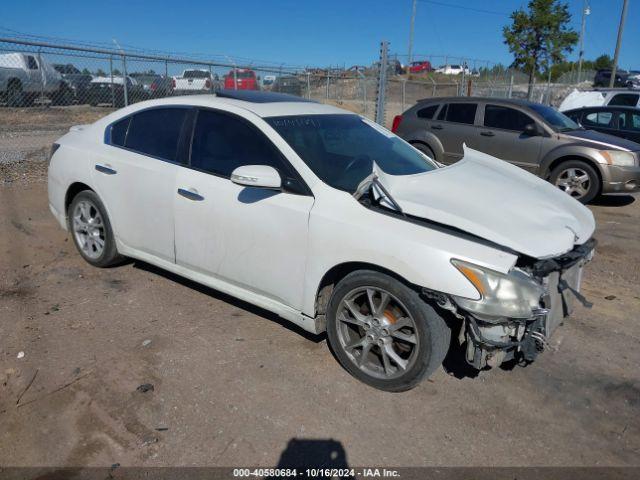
(514, 295)
(619, 158)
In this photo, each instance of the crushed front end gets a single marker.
(518, 312)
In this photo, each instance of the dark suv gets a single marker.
(538, 138)
(603, 77)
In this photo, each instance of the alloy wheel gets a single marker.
(88, 229)
(377, 332)
(574, 181)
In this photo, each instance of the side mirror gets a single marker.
(260, 176)
(531, 129)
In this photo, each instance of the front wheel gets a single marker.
(91, 230)
(383, 333)
(578, 179)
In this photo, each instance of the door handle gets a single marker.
(105, 169)
(190, 194)
(487, 134)
(436, 127)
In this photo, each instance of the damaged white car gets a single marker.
(331, 222)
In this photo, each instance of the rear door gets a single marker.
(135, 176)
(502, 135)
(454, 125)
(250, 237)
(602, 120)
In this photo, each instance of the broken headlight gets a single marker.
(514, 294)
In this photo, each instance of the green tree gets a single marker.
(85, 71)
(100, 73)
(116, 71)
(539, 36)
(603, 61)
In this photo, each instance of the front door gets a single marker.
(251, 237)
(502, 136)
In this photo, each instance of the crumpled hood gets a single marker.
(497, 201)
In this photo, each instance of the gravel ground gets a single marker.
(233, 385)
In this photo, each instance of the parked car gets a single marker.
(110, 90)
(241, 79)
(268, 80)
(538, 138)
(622, 122)
(195, 81)
(595, 98)
(331, 222)
(154, 85)
(453, 70)
(77, 82)
(422, 66)
(603, 77)
(24, 77)
(288, 84)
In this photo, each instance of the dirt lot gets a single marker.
(232, 384)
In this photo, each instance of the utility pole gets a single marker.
(585, 11)
(623, 18)
(413, 21)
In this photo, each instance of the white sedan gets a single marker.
(331, 222)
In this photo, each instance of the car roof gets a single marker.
(605, 107)
(280, 104)
(506, 101)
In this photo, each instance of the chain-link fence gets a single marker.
(38, 74)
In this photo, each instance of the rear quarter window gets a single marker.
(427, 112)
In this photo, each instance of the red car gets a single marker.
(420, 67)
(246, 80)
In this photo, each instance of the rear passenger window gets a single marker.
(427, 112)
(119, 132)
(222, 143)
(598, 119)
(461, 113)
(156, 132)
(625, 99)
(496, 116)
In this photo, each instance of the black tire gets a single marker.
(15, 95)
(109, 255)
(433, 335)
(558, 175)
(426, 149)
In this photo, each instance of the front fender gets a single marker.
(570, 151)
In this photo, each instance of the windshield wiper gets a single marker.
(368, 183)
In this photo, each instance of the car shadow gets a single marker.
(613, 200)
(227, 299)
(302, 453)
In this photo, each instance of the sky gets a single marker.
(310, 32)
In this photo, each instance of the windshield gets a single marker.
(196, 74)
(559, 121)
(341, 149)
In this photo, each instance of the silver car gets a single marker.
(538, 138)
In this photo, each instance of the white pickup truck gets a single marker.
(194, 81)
(25, 76)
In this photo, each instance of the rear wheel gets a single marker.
(383, 333)
(91, 230)
(425, 149)
(578, 179)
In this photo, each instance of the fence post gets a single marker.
(382, 83)
(124, 80)
(433, 90)
(327, 84)
(510, 86)
(113, 96)
(308, 87)
(166, 68)
(41, 77)
(404, 92)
